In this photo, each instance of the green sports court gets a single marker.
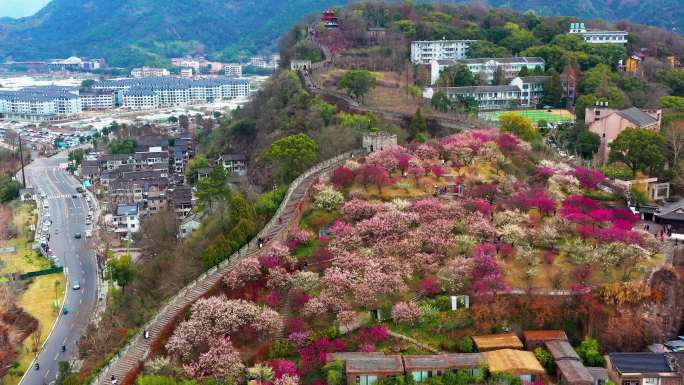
(551, 116)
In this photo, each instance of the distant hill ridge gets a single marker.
(133, 32)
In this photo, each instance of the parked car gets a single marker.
(77, 235)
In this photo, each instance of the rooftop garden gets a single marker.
(388, 238)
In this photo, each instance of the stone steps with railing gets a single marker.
(138, 348)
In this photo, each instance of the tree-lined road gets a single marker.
(68, 217)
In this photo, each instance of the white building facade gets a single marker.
(149, 72)
(156, 92)
(425, 51)
(486, 68)
(104, 100)
(522, 92)
(598, 36)
(40, 103)
(233, 69)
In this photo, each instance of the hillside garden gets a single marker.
(388, 237)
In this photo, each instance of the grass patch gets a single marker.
(555, 116)
(38, 299)
(314, 220)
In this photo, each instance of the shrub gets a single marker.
(545, 359)
(280, 349)
(328, 199)
(342, 177)
(465, 345)
(589, 353)
(405, 312)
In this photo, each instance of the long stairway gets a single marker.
(122, 367)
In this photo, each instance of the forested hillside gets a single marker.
(133, 32)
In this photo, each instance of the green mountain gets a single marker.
(666, 14)
(128, 32)
(133, 32)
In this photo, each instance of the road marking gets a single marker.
(46, 374)
(56, 356)
(80, 301)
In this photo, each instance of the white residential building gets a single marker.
(98, 100)
(40, 103)
(233, 69)
(145, 72)
(598, 36)
(126, 219)
(258, 61)
(186, 73)
(486, 67)
(425, 51)
(522, 92)
(155, 92)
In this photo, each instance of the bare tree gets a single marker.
(674, 133)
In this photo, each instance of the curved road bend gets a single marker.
(68, 218)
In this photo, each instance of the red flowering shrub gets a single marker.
(342, 177)
(293, 325)
(576, 208)
(272, 299)
(299, 299)
(375, 333)
(536, 198)
(283, 367)
(486, 276)
(617, 234)
(428, 286)
(367, 348)
(544, 172)
(588, 178)
(315, 354)
(437, 170)
(403, 162)
(586, 231)
(507, 143)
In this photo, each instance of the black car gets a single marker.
(74, 196)
(77, 235)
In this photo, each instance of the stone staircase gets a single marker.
(123, 365)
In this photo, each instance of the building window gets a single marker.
(651, 381)
(366, 379)
(630, 382)
(418, 376)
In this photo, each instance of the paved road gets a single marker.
(68, 218)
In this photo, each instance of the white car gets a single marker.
(89, 233)
(46, 205)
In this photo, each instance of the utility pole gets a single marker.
(21, 158)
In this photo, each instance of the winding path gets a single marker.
(125, 364)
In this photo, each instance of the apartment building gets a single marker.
(156, 92)
(97, 100)
(486, 68)
(145, 72)
(521, 92)
(598, 36)
(425, 51)
(40, 103)
(233, 69)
